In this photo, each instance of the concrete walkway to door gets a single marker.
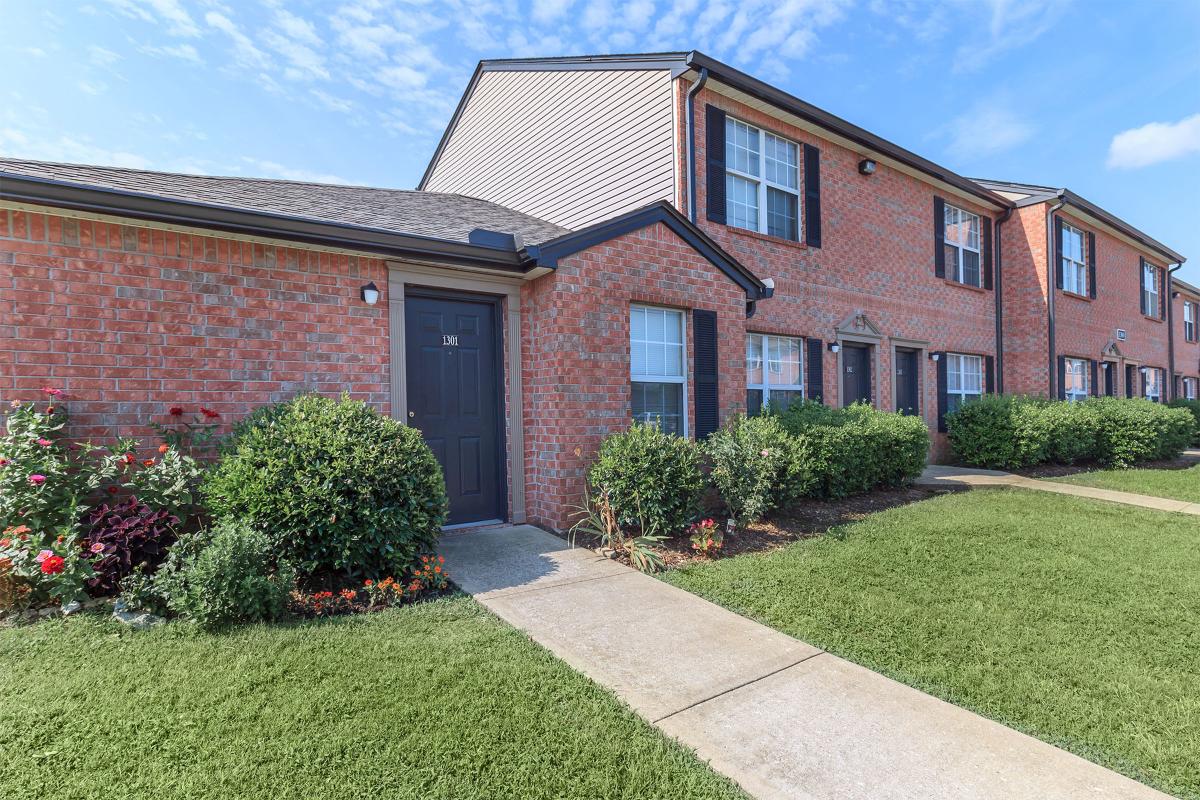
(780, 717)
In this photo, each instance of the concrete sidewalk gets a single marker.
(780, 717)
(963, 476)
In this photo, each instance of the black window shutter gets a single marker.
(1062, 377)
(1095, 379)
(813, 378)
(714, 167)
(1162, 293)
(939, 237)
(989, 374)
(1143, 392)
(943, 399)
(812, 196)
(704, 334)
(986, 243)
(1058, 265)
(1091, 257)
(1129, 373)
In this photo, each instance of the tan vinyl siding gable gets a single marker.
(571, 147)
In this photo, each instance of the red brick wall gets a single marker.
(575, 347)
(1187, 354)
(131, 320)
(877, 258)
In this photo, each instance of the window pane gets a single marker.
(781, 162)
(972, 231)
(783, 214)
(953, 401)
(741, 202)
(655, 341)
(661, 403)
(741, 147)
(783, 355)
(970, 273)
(782, 399)
(953, 372)
(754, 360)
(754, 402)
(952, 267)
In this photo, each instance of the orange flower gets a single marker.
(162, 448)
(149, 462)
(368, 583)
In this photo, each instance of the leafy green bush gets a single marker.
(651, 479)
(333, 484)
(1010, 432)
(856, 449)
(757, 466)
(231, 579)
(1194, 407)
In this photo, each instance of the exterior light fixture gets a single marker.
(867, 166)
(370, 293)
(834, 347)
(935, 357)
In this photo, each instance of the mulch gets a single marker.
(1062, 470)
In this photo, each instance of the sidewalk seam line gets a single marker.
(739, 686)
(548, 586)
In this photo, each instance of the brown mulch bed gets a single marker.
(1062, 470)
(802, 521)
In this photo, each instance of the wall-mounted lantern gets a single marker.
(867, 166)
(834, 347)
(370, 293)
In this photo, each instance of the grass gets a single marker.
(438, 700)
(1177, 484)
(1070, 619)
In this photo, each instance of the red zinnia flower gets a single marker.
(37, 480)
(162, 448)
(112, 490)
(51, 391)
(175, 411)
(44, 442)
(4, 462)
(53, 565)
(209, 413)
(149, 462)
(128, 458)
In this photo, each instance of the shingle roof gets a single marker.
(449, 217)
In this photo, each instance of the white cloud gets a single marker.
(22, 144)
(246, 54)
(297, 28)
(1154, 143)
(401, 77)
(182, 51)
(1012, 24)
(102, 57)
(272, 169)
(304, 61)
(169, 12)
(987, 129)
(549, 10)
(92, 87)
(332, 103)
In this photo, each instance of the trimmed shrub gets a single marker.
(1135, 430)
(856, 449)
(333, 484)
(1071, 430)
(231, 579)
(651, 479)
(1194, 407)
(999, 432)
(757, 466)
(124, 537)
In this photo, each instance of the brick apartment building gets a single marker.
(656, 237)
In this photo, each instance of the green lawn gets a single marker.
(439, 700)
(1074, 620)
(1177, 484)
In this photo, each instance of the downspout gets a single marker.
(1171, 331)
(1051, 288)
(998, 285)
(693, 90)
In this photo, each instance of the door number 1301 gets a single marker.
(449, 340)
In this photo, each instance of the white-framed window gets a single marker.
(1150, 290)
(1153, 379)
(1076, 379)
(1189, 321)
(762, 181)
(658, 367)
(964, 379)
(1074, 262)
(1190, 386)
(774, 372)
(961, 240)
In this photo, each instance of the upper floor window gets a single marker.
(964, 379)
(1076, 379)
(762, 181)
(1190, 386)
(1150, 289)
(1074, 263)
(962, 245)
(1189, 321)
(1153, 379)
(658, 367)
(774, 372)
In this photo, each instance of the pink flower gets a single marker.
(4, 462)
(37, 480)
(765, 453)
(97, 547)
(43, 555)
(45, 442)
(52, 391)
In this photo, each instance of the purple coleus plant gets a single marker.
(123, 537)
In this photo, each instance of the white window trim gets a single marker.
(765, 387)
(1075, 271)
(1151, 307)
(1189, 321)
(1190, 388)
(962, 394)
(679, 379)
(1076, 396)
(763, 184)
(964, 244)
(1159, 382)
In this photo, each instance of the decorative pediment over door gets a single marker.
(859, 325)
(1111, 351)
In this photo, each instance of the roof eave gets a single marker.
(152, 208)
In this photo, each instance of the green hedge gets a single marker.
(1194, 407)
(757, 465)
(1012, 431)
(856, 449)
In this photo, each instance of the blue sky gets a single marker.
(1098, 95)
